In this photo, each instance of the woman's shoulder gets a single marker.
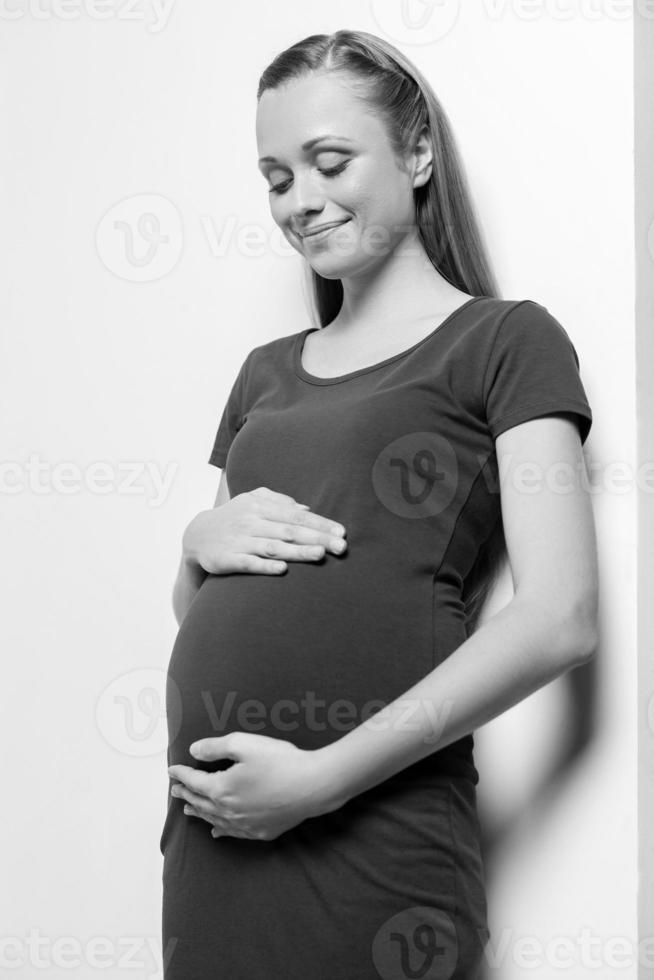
(276, 344)
(500, 330)
(493, 317)
(271, 353)
(497, 306)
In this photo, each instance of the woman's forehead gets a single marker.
(300, 111)
(306, 96)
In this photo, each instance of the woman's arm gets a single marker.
(548, 627)
(191, 575)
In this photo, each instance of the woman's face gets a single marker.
(349, 178)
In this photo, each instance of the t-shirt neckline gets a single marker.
(316, 380)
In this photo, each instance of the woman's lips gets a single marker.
(314, 236)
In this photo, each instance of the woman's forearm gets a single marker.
(520, 649)
(189, 579)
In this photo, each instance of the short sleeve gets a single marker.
(232, 417)
(533, 370)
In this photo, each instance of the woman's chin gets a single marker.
(335, 265)
(331, 270)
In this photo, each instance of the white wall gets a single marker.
(644, 242)
(117, 360)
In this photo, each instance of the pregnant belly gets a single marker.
(305, 656)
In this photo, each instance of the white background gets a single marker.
(125, 358)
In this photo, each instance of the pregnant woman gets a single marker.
(331, 666)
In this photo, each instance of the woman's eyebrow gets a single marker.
(309, 145)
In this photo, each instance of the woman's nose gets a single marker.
(304, 195)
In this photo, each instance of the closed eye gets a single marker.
(327, 171)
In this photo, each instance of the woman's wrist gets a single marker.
(190, 551)
(332, 790)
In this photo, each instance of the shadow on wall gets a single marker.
(583, 688)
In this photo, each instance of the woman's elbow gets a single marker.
(583, 645)
(579, 631)
(568, 624)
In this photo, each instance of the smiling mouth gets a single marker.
(323, 232)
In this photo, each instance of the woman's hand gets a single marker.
(271, 787)
(258, 532)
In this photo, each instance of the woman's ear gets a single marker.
(423, 155)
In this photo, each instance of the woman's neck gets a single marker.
(404, 289)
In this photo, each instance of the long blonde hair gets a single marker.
(392, 87)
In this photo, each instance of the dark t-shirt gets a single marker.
(402, 454)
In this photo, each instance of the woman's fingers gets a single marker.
(195, 799)
(288, 538)
(257, 532)
(281, 508)
(219, 828)
(196, 805)
(271, 547)
(192, 811)
(300, 518)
